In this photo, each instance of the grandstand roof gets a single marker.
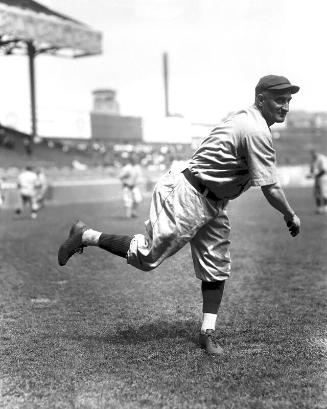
(27, 27)
(51, 32)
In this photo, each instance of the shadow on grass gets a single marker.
(157, 330)
(145, 333)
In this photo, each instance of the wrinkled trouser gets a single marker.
(180, 214)
(30, 201)
(320, 187)
(131, 196)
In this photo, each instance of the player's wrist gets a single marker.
(288, 216)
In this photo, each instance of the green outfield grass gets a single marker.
(100, 334)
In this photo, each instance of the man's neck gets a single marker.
(268, 123)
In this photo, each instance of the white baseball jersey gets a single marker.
(237, 154)
(317, 167)
(131, 175)
(320, 164)
(27, 181)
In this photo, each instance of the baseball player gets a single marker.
(2, 193)
(319, 173)
(189, 205)
(131, 177)
(26, 184)
(41, 186)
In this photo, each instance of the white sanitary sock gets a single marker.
(209, 321)
(91, 237)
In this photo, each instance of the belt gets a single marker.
(200, 187)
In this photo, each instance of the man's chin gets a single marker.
(280, 119)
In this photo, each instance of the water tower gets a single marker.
(108, 125)
(104, 101)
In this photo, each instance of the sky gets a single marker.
(217, 51)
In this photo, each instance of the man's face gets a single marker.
(275, 106)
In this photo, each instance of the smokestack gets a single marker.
(166, 83)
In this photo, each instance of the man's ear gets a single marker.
(259, 100)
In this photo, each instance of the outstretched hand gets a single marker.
(293, 225)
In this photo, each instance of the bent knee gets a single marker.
(142, 264)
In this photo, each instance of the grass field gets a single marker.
(100, 334)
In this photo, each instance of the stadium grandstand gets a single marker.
(292, 145)
(90, 159)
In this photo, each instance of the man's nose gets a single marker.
(285, 107)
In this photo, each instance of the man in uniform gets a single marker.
(41, 187)
(319, 173)
(189, 205)
(131, 177)
(2, 193)
(26, 184)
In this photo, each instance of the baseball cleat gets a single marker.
(76, 227)
(207, 341)
(73, 244)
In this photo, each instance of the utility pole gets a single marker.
(166, 83)
(31, 55)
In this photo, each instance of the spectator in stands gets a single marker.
(318, 170)
(131, 178)
(8, 142)
(28, 146)
(26, 184)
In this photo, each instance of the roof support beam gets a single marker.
(31, 57)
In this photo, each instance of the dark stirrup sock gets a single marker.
(115, 244)
(212, 293)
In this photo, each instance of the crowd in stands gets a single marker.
(80, 158)
(15, 149)
(292, 149)
(113, 154)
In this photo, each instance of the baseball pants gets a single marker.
(320, 187)
(179, 214)
(29, 200)
(131, 195)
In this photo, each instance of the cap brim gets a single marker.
(284, 87)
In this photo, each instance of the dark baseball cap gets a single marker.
(275, 83)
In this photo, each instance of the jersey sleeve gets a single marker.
(125, 172)
(261, 159)
(321, 164)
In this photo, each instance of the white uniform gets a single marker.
(26, 183)
(131, 177)
(319, 170)
(40, 187)
(2, 198)
(236, 155)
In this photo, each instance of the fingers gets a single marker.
(294, 228)
(294, 232)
